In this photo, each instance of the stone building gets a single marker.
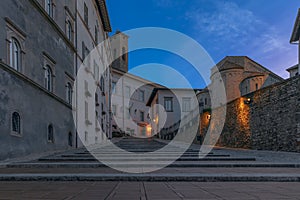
(39, 58)
(174, 105)
(129, 93)
(241, 75)
(294, 70)
(92, 27)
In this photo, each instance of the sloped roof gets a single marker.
(101, 4)
(296, 31)
(240, 62)
(293, 67)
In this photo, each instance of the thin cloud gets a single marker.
(237, 27)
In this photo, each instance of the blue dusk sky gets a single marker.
(258, 29)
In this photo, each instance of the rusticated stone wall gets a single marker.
(270, 121)
(275, 117)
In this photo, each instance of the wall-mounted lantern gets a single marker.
(248, 101)
(208, 117)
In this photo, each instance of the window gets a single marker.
(186, 104)
(113, 87)
(168, 104)
(114, 110)
(142, 116)
(127, 91)
(96, 35)
(127, 113)
(115, 53)
(86, 110)
(49, 7)
(70, 139)
(48, 79)
(102, 85)
(15, 54)
(86, 15)
(50, 134)
(256, 86)
(124, 53)
(86, 136)
(69, 91)
(96, 71)
(96, 99)
(142, 95)
(205, 101)
(69, 30)
(16, 123)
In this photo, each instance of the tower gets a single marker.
(119, 46)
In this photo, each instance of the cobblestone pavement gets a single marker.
(149, 190)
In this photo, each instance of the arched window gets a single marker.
(48, 79)
(69, 30)
(50, 133)
(69, 92)
(70, 139)
(16, 123)
(15, 54)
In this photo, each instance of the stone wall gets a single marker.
(270, 121)
(275, 117)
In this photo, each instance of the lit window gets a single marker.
(16, 123)
(50, 134)
(69, 92)
(15, 54)
(168, 104)
(48, 79)
(186, 104)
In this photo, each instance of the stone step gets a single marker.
(60, 159)
(232, 177)
(125, 155)
(173, 165)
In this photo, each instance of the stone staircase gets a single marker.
(218, 165)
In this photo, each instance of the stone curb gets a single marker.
(174, 165)
(154, 177)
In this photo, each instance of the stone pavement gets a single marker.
(221, 174)
(150, 190)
